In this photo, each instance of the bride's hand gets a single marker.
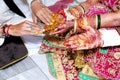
(63, 27)
(87, 40)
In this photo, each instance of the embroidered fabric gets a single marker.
(104, 61)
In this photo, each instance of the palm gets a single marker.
(63, 27)
(88, 40)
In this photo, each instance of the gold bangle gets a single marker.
(85, 21)
(75, 25)
(74, 12)
(96, 20)
(80, 11)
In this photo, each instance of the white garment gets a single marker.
(33, 42)
(24, 7)
(7, 17)
(45, 2)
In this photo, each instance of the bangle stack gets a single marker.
(77, 11)
(98, 21)
(74, 12)
(63, 13)
(83, 22)
(6, 29)
(82, 8)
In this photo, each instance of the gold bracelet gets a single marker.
(75, 25)
(74, 12)
(80, 11)
(96, 20)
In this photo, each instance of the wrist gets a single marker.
(35, 1)
(5, 30)
(1, 32)
(8, 29)
(93, 21)
(83, 22)
(78, 11)
(74, 13)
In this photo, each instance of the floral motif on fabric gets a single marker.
(67, 63)
(107, 65)
(97, 9)
(114, 5)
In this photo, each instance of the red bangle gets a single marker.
(63, 13)
(8, 28)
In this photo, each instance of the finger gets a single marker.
(76, 44)
(82, 39)
(69, 23)
(34, 26)
(30, 32)
(34, 19)
(89, 38)
(41, 15)
(79, 30)
(89, 28)
(47, 16)
(80, 48)
(58, 32)
(74, 47)
(94, 45)
(77, 47)
(49, 11)
(61, 27)
(67, 42)
(35, 32)
(66, 25)
(70, 41)
(72, 38)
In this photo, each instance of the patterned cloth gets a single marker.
(105, 62)
(60, 5)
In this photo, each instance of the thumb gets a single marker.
(34, 19)
(90, 29)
